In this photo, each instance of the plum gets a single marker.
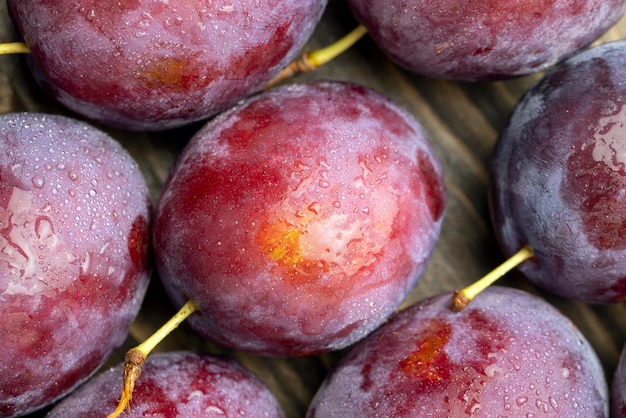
(152, 65)
(618, 388)
(508, 354)
(176, 384)
(558, 178)
(299, 220)
(75, 258)
(484, 40)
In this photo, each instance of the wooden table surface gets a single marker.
(462, 120)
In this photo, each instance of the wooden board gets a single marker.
(462, 120)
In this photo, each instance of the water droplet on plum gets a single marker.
(38, 182)
(315, 207)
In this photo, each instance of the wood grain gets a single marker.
(462, 120)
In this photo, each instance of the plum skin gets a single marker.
(299, 220)
(509, 353)
(74, 255)
(618, 388)
(176, 384)
(558, 178)
(149, 65)
(474, 41)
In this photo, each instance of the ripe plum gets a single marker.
(508, 353)
(74, 254)
(618, 389)
(176, 384)
(151, 65)
(558, 178)
(484, 40)
(299, 220)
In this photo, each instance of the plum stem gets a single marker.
(322, 56)
(14, 48)
(315, 59)
(463, 297)
(136, 357)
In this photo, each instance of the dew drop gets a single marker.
(324, 184)
(553, 403)
(541, 405)
(492, 369)
(475, 407)
(92, 193)
(337, 204)
(315, 207)
(38, 182)
(44, 228)
(73, 175)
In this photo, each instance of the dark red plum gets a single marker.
(152, 65)
(558, 178)
(618, 388)
(508, 354)
(299, 220)
(74, 255)
(176, 384)
(484, 40)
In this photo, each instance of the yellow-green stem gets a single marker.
(315, 59)
(322, 56)
(464, 296)
(135, 357)
(14, 48)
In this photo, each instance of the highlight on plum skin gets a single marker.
(176, 384)
(151, 65)
(472, 41)
(558, 178)
(299, 220)
(509, 353)
(74, 255)
(618, 388)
